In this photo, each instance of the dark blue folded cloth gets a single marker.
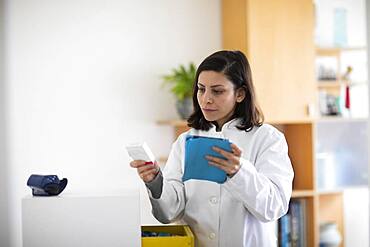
(46, 185)
(196, 165)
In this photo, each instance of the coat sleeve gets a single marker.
(265, 188)
(170, 205)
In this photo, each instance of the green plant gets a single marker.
(181, 81)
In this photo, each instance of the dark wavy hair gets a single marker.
(234, 65)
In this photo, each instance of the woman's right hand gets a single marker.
(147, 172)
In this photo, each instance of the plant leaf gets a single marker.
(181, 80)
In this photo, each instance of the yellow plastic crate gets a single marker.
(184, 238)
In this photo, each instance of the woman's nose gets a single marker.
(208, 98)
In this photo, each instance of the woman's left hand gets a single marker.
(232, 163)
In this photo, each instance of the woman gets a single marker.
(242, 210)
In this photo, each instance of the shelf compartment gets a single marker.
(331, 210)
(300, 144)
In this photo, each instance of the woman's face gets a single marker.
(217, 97)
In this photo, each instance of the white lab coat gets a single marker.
(243, 210)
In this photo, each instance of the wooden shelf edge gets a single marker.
(293, 121)
(338, 83)
(302, 193)
(310, 193)
(182, 123)
(334, 51)
(340, 119)
(330, 84)
(329, 192)
(173, 122)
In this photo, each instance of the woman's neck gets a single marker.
(219, 125)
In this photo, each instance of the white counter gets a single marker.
(104, 219)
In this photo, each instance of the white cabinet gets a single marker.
(82, 220)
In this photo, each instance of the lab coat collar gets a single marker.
(228, 125)
(220, 134)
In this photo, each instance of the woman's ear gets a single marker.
(240, 94)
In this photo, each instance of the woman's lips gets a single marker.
(209, 110)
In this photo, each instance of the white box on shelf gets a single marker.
(82, 220)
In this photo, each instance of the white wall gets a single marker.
(4, 220)
(83, 79)
(368, 69)
(356, 228)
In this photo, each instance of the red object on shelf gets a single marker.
(347, 99)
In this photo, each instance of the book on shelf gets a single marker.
(292, 226)
(284, 231)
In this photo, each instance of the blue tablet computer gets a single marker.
(196, 165)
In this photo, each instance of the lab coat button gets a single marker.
(212, 235)
(213, 200)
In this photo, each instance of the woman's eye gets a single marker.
(201, 90)
(218, 91)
